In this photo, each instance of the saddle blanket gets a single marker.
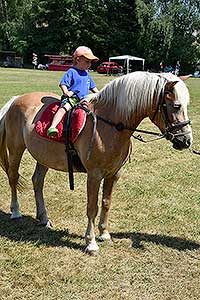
(78, 123)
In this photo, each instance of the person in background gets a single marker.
(177, 68)
(161, 67)
(34, 60)
(75, 84)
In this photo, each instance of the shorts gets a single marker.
(73, 101)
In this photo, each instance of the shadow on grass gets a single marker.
(168, 241)
(27, 229)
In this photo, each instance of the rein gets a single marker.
(120, 126)
(168, 134)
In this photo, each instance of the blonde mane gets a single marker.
(135, 92)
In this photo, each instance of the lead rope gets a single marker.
(194, 151)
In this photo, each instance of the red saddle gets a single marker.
(77, 125)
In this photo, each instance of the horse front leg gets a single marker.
(93, 184)
(38, 184)
(106, 203)
(14, 206)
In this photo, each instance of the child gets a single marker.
(76, 80)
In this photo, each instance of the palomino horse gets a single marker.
(119, 107)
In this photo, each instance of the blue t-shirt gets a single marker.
(78, 81)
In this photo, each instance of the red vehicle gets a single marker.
(109, 68)
(59, 62)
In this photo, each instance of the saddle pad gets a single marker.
(78, 123)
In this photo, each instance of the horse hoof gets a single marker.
(92, 249)
(92, 252)
(15, 215)
(106, 241)
(49, 225)
(105, 237)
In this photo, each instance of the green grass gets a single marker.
(154, 221)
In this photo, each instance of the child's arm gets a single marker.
(66, 91)
(95, 90)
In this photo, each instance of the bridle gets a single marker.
(169, 133)
(161, 106)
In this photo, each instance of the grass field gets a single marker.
(154, 221)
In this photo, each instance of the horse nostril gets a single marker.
(187, 141)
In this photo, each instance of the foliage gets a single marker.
(159, 30)
(14, 15)
(169, 27)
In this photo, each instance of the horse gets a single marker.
(119, 107)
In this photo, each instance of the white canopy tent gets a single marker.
(127, 59)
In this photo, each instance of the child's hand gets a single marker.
(68, 94)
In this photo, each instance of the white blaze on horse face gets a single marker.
(182, 94)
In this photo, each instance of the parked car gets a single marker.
(109, 68)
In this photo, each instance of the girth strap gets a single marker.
(72, 156)
(68, 146)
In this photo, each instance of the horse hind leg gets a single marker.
(13, 176)
(106, 203)
(38, 184)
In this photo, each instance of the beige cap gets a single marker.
(86, 52)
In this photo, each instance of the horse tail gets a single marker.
(3, 147)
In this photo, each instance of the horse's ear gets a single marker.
(170, 85)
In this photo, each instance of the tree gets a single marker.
(154, 29)
(168, 30)
(13, 14)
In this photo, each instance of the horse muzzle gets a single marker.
(180, 141)
(180, 135)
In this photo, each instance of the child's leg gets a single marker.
(52, 131)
